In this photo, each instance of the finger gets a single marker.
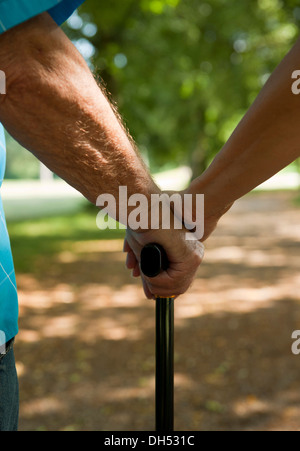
(165, 285)
(134, 246)
(136, 270)
(131, 260)
(126, 247)
(147, 292)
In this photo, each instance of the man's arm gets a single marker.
(55, 109)
(266, 141)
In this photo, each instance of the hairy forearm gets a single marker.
(266, 141)
(55, 109)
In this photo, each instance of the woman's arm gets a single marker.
(266, 141)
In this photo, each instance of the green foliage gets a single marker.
(20, 163)
(184, 72)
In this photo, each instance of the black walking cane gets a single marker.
(153, 261)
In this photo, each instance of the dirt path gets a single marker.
(86, 348)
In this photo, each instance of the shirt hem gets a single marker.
(23, 11)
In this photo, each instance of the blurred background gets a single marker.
(183, 73)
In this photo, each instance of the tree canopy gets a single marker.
(184, 72)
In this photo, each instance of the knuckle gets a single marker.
(198, 255)
(198, 259)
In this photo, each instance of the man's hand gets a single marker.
(185, 257)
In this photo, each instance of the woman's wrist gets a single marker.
(215, 201)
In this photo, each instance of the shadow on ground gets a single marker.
(85, 351)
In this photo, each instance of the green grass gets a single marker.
(27, 209)
(47, 237)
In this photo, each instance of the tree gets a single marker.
(184, 72)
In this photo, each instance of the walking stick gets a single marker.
(153, 261)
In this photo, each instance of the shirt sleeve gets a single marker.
(15, 12)
(61, 12)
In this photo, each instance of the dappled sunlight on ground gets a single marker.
(85, 351)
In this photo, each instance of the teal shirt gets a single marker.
(12, 13)
(8, 287)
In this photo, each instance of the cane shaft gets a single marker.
(165, 364)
